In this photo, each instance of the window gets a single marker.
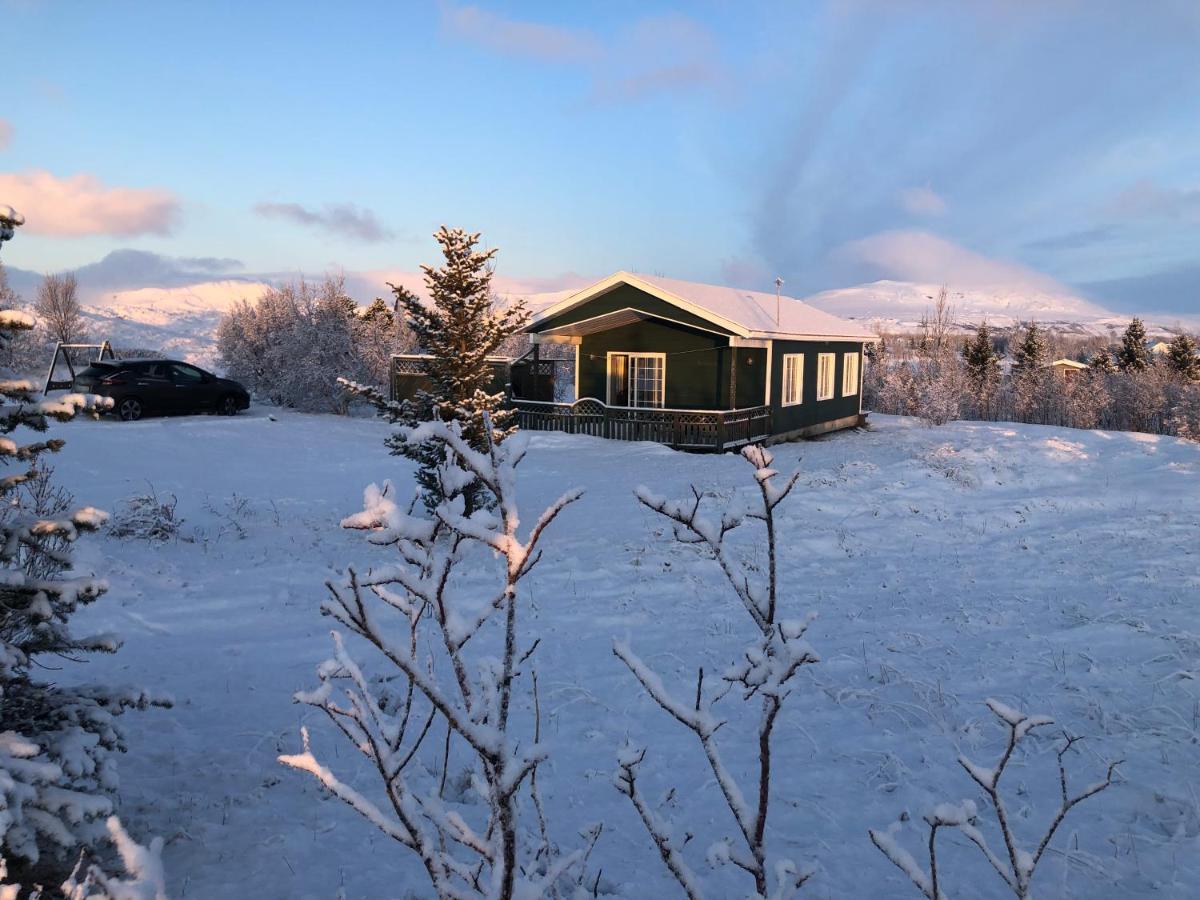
(636, 379)
(850, 375)
(826, 363)
(186, 374)
(793, 378)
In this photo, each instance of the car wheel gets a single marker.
(129, 409)
(228, 405)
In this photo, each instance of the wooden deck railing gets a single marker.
(686, 429)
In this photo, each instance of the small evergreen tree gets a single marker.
(1182, 358)
(983, 367)
(1030, 375)
(1030, 353)
(460, 327)
(57, 741)
(1133, 356)
(1102, 363)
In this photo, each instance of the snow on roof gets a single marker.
(746, 313)
(1069, 363)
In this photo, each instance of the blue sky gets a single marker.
(830, 143)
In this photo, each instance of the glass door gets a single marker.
(646, 380)
(618, 379)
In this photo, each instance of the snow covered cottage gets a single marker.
(695, 366)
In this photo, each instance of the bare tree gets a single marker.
(1018, 865)
(761, 673)
(57, 305)
(444, 691)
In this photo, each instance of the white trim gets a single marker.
(632, 309)
(797, 366)
(632, 354)
(610, 406)
(832, 357)
(617, 279)
(846, 357)
(770, 353)
(752, 343)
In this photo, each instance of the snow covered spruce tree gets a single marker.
(983, 369)
(1182, 358)
(57, 741)
(1133, 356)
(459, 328)
(760, 674)
(1016, 863)
(442, 726)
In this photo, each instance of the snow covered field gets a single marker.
(1056, 570)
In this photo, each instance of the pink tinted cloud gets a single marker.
(81, 205)
(549, 43)
(920, 256)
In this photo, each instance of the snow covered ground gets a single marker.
(1055, 570)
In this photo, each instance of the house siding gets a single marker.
(627, 297)
(694, 361)
(812, 411)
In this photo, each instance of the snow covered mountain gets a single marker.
(179, 321)
(901, 304)
(182, 319)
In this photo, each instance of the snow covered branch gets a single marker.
(468, 700)
(762, 671)
(1018, 865)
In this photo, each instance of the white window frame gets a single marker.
(826, 378)
(631, 356)
(797, 361)
(850, 385)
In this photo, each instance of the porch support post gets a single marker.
(733, 378)
(537, 348)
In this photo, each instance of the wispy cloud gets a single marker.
(1145, 199)
(82, 205)
(653, 55)
(549, 43)
(6, 133)
(922, 201)
(344, 219)
(921, 256)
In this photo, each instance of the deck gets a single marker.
(684, 429)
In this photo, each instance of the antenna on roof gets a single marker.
(778, 285)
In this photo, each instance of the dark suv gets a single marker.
(140, 387)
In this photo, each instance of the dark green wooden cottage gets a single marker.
(696, 366)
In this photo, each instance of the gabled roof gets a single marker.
(747, 314)
(1068, 363)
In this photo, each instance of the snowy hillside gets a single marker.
(901, 304)
(180, 321)
(1054, 570)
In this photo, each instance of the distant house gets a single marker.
(695, 366)
(1159, 348)
(1067, 368)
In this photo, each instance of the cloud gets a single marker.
(922, 201)
(6, 133)
(1146, 200)
(1171, 290)
(920, 256)
(666, 54)
(1076, 240)
(82, 205)
(344, 219)
(547, 43)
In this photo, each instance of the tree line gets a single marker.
(990, 377)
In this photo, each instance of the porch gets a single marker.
(683, 429)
